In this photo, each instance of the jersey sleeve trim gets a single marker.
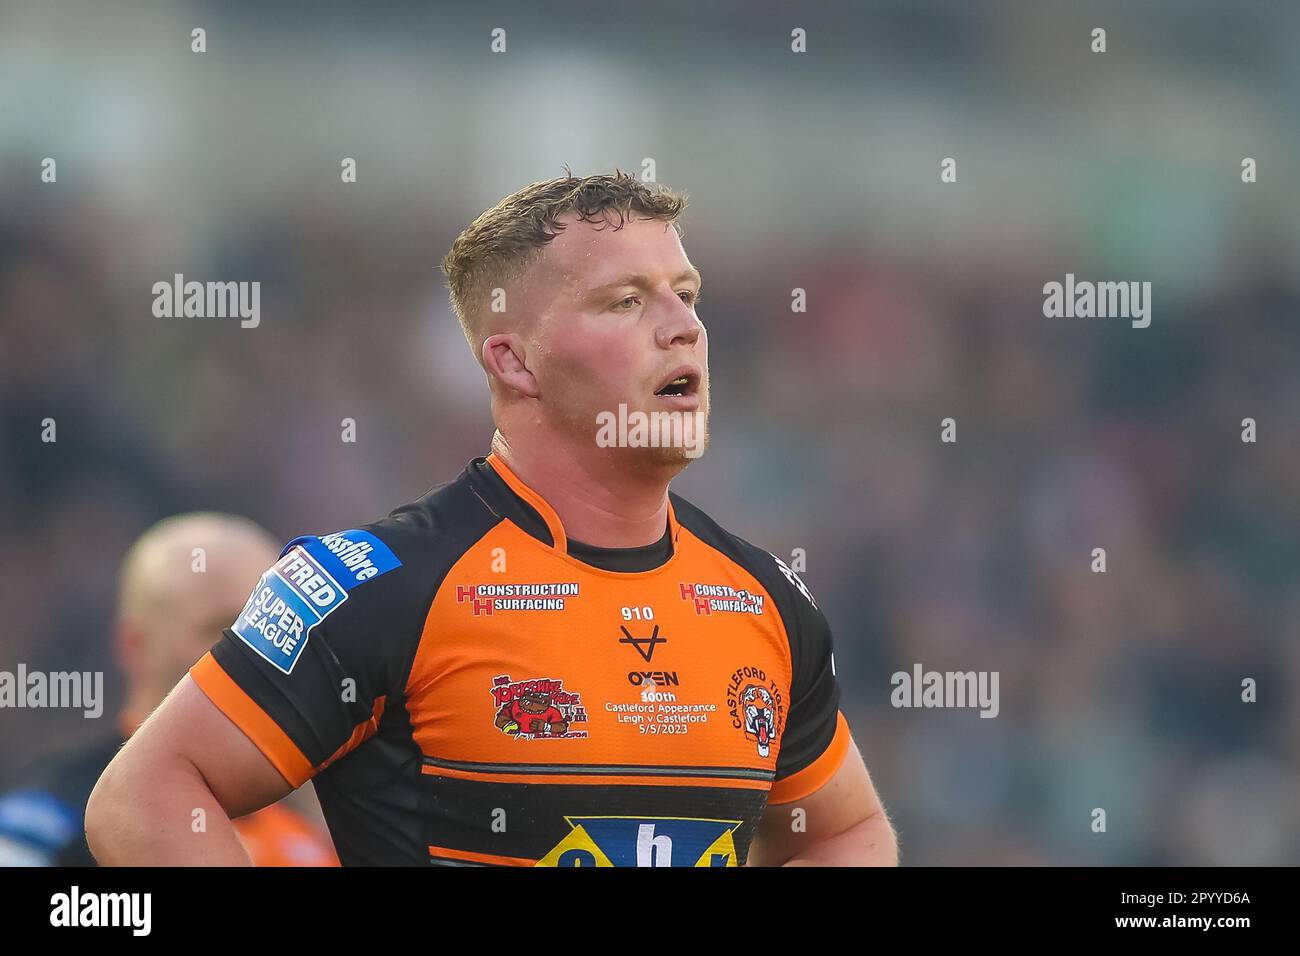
(256, 725)
(360, 734)
(814, 776)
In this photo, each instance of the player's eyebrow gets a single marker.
(643, 282)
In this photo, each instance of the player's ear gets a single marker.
(505, 361)
(130, 641)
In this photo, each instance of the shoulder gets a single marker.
(399, 551)
(367, 589)
(448, 517)
(790, 593)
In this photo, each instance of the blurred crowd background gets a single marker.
(817, 171)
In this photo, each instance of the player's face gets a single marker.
(618, 327)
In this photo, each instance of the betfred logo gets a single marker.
(289, 600)
(537, 709)
(707, 598)
(309, 579)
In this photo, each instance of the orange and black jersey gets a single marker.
(467, 686)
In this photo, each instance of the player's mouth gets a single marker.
(681, 388)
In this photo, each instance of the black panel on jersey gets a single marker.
(372, 799)
(645, 558)
(501, 499)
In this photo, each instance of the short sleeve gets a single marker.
(816, 735)
(306, 668)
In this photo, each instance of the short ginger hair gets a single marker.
(505, 240)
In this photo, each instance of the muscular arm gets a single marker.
(187, 756)
(842, 824)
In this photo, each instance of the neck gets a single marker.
(598, 502)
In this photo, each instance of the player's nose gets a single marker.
(678, 325)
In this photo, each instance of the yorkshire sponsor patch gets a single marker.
(537, 709)
(304, 587)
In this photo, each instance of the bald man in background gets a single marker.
(183, 581)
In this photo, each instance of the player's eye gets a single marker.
(623, 302)
(689, 297)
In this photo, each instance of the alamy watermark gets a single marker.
(1102, 300)
(922, 688)
(208, 300)
(637, 429)
(130, 910)
(79, 690)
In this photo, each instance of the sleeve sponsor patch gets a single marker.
(311, 579)
(351, 557)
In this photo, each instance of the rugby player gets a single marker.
(551, 660)
(169, 610)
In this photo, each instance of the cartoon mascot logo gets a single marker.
(760, 716)
(536, 708)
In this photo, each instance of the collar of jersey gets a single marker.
(559, 540)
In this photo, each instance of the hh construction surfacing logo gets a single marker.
(707, 598)
(484, 599)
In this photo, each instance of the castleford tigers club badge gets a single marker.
(756, 706)
(536, 709)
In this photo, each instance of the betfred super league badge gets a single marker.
(537, 709)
